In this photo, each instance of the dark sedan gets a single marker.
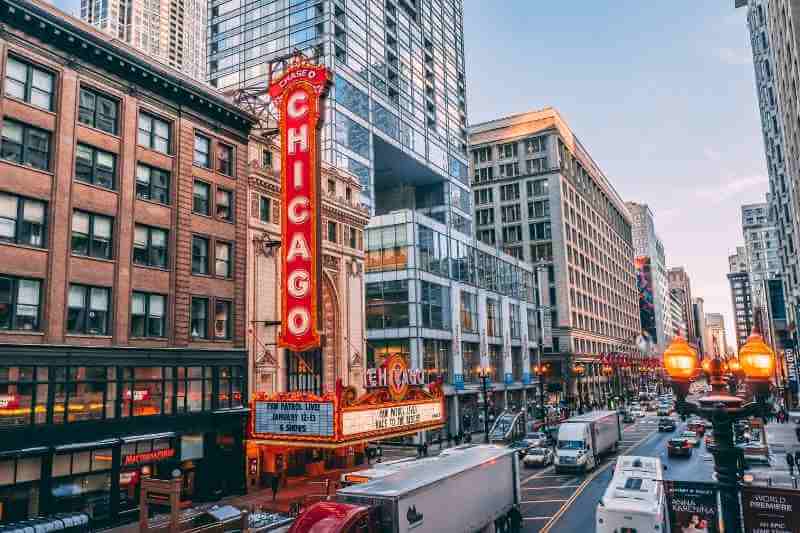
(682, 447)
(666, 424)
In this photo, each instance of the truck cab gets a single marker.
(574, 448)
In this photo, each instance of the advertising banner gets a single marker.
(791, 369)
(647, 309)
(770, 510)
(297, 94)
(385, 418)
(692, 507)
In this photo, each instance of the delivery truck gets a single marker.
(473, 489)
(583, 439)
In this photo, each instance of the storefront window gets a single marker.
(142, 391)
(387, 304)
(19, 488)
(17, 386)
(470, 361)
(82, 482)
(230, 387)
(436, 359)
(496, 361)
(87, 392)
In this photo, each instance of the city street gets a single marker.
(567, 502)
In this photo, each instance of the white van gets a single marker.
(634, 501)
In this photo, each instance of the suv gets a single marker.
(666, 424)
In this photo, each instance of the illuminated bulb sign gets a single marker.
(297, 94)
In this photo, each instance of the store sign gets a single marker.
(388, 418)
(791, 369)
(692, 506)
(297, 93)
(770, 510)
(137, 395)
(294, 418)
(458, 381)
(394, 375)
(148, 457)
(9, 401)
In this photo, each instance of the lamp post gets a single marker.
(608, 372)
(485, 374)
(578, 369)
(541, 371)
(757, 361)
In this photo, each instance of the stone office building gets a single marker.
(540, 197)
(123, 226)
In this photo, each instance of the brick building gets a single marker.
(123, 242)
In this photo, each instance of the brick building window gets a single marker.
(201, 196)
(150, 246)
(223, 259)
(199, 318)
(199, 255)
(332, 231)
(222, 319)
(148, 315)
(152, 184)
(98, 111)
(25, 145)
(202, 151)
(91, 234)
(95, 166)
(87, 311)
(266, 159)
(154, 133)
(353, 238)
(29, 83)
(225, 159)
(264, 209)
(22, 220)
(20, 303)
(224, 204)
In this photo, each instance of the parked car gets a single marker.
(666, 424)
(638, 413)
(709, 439)
(692, 437)
(679, 446)
(538, 457)
(539, 439)
(627, 418)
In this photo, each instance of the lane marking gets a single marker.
(551, 488)
(537, 518)
(601, 468)
(538, 474)
(543, 501)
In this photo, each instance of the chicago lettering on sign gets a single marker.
(297, 94)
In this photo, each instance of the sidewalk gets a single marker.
(781, 438)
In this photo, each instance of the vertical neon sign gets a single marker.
(297, 94)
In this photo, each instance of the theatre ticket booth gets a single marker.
(299, 434)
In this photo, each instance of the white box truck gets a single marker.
(472, 489)
(583, 439)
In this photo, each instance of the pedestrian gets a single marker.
(790, 462)
(797, 460)
(274, 484)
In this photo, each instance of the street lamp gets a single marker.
(485, 374)
(608, 371)
(723, 409)
(578, 369)
(541, 371)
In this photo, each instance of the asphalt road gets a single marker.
(567, 502)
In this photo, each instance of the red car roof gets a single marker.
(326, 517)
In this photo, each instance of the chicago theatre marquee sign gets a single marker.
(397, 402)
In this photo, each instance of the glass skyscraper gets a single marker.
(396, 117)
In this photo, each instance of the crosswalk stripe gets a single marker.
(551, 488)
(542, 501)
(537, 518)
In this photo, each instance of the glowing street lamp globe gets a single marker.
(734, 366)
(680, 360)
(756, 358)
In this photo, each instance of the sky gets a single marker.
(662, 95)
